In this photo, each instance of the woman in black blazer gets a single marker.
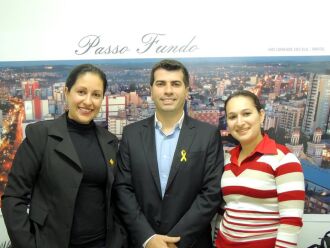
(59, 190)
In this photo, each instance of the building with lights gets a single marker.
(317, 111)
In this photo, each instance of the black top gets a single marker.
(89, 220)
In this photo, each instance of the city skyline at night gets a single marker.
(295, 93)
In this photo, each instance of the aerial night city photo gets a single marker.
(294, 91)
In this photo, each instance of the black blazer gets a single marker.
(46, 175)
(193, 189)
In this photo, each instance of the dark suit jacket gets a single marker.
(193, 189)
(46, 174)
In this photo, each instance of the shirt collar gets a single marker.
(177, 125)
(265, 146)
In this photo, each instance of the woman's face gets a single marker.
(85, 98)
(244, 121)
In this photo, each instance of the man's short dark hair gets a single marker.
(170, 65)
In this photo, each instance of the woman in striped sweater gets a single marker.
(262, 183)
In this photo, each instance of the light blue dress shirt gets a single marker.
(165, 147)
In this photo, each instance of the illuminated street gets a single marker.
(11, 138)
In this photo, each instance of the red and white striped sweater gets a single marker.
(264, 199)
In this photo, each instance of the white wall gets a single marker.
(315, 226)
(32, 30)
(3, 232)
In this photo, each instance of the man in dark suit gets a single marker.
(169, 169)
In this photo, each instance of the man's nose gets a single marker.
(168, 88)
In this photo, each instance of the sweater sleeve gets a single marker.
(291, 195)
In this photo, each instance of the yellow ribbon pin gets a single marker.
(111, 162)
(183, 156)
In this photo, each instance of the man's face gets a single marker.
(169, 92)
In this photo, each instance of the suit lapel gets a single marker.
(65, 146)
(149, 147)
(181, 155)
(59, 130)
(105, 140)
(108, 153)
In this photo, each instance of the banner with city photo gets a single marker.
(280, 51)
(294, 91)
